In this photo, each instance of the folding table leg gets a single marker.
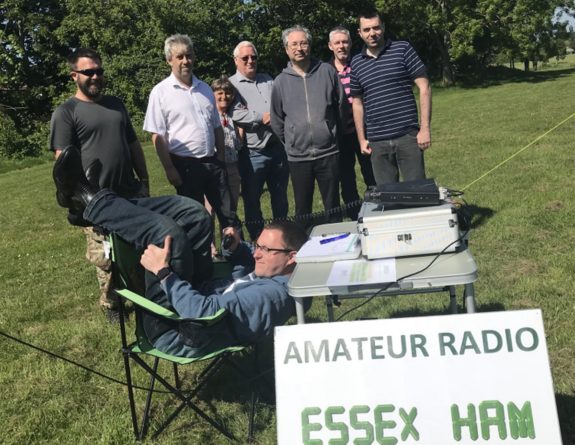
(329, 306)
(452, 300)
(469, 298)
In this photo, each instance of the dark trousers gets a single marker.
(348, 150)
(402, 154)
(303, 177)
(206, 176)
(144, 221)
(258, 167)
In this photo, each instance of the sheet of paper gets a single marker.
(345, 248)
(362, 271)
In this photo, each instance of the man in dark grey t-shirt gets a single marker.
(99, 126)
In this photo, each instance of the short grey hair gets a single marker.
(174, 40)
(339, 30)
(241, 45)
(296, 28)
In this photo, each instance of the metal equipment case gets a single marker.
(406, 232)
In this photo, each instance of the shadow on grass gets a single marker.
(500, 75)
(566, 412)
(479, 215)
(233, 383)
(416, 312)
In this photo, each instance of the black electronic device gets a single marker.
(227, 241)
(422, 192)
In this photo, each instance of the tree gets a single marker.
(267, 18)
(530, 33)
(28, 71)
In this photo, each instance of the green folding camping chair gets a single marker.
(129, 278)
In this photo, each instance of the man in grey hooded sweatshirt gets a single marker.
(307, 104)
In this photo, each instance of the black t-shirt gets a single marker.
(102, 131)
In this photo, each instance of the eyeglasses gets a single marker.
(295, 45)
(265, 249)
(90, 72)
(246, 58)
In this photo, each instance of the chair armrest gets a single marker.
(155, 308)
(149, 305)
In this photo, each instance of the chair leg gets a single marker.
(177, 376)
(126, 356)
(146, 418)
(206, 374)
(125, 353)
(254, 398)
(253, 402)
(186, 401)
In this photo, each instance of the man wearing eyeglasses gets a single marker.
(308, 103)
(264, 160)
(256, 295)
(177, 264)
(99, 126)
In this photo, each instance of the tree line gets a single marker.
(453, 37)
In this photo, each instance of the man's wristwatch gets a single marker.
(164, 272)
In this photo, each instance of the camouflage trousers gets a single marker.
(97, 255)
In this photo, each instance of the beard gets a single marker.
(92, 88)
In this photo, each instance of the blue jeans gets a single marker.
(402, 154)
(258, 167)
(144, 221)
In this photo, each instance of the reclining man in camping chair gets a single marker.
(256, 296)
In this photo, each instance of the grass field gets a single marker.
(522, 241)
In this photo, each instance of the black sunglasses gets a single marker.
(246, 58)
(90, 72)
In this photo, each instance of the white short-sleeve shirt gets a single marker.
(186, 117)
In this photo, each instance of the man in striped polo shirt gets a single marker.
(340, 45)
(384, 107)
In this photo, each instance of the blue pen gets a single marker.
(335, 238)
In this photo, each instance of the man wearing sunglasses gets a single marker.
(264, 161)
(99, 126)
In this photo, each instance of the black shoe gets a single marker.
(83, 194)
(73, 190)
(66, 173)
(92, 174)
(63, 200)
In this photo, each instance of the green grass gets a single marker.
(522, 242)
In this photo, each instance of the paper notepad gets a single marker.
(362, 271)
(313, 251)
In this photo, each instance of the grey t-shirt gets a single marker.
(102, 131)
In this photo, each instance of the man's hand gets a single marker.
(155, 258)
(235, 235)
(266, 118)
(173, 176)
(365, 148)
(424, 139)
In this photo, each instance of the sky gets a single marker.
(567, 18)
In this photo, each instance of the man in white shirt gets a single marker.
(187, 133)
